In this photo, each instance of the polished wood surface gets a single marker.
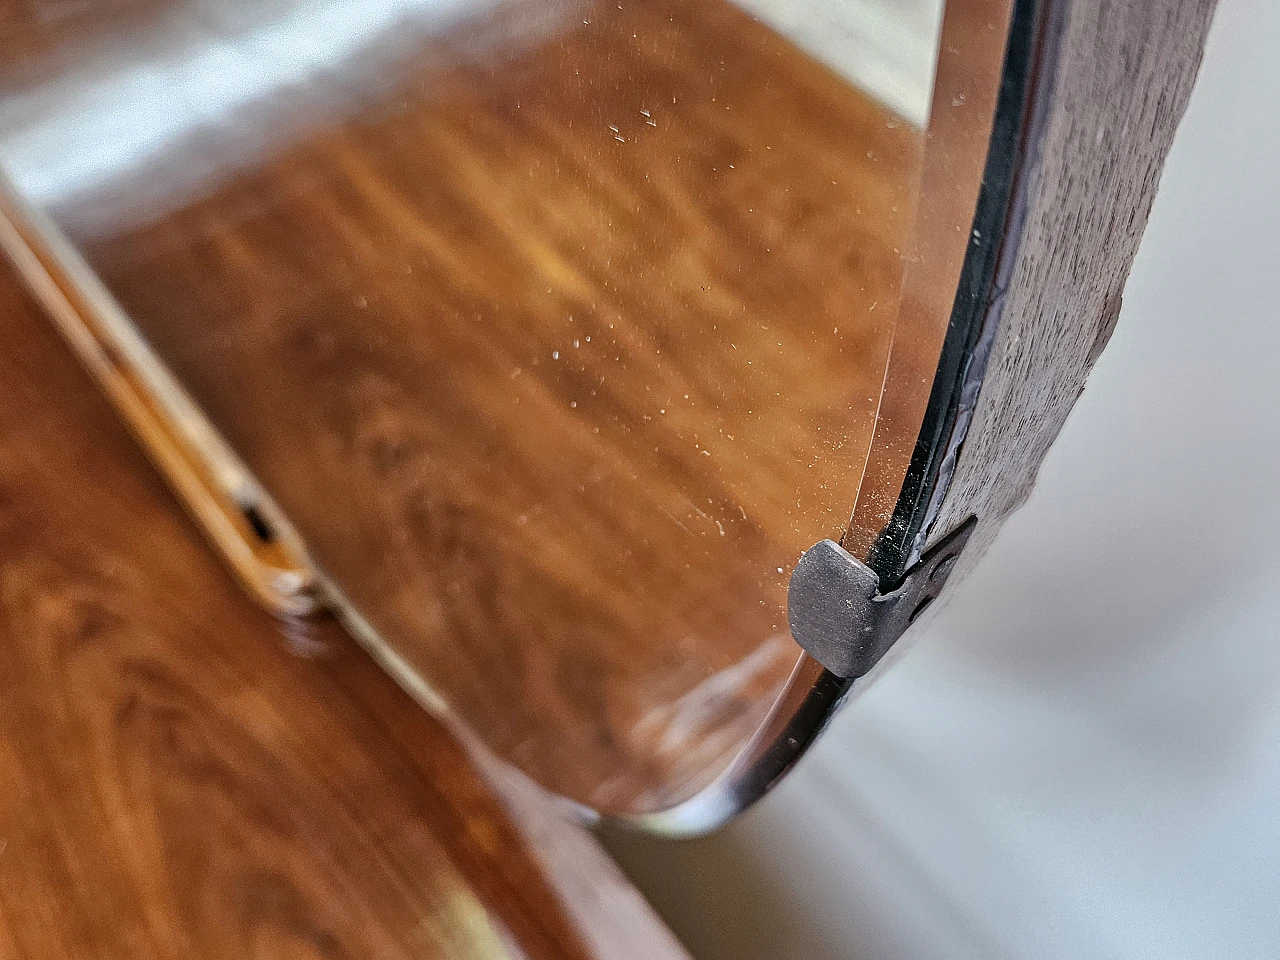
(557, 343)
(184, 776)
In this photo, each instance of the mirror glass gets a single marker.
(556, 328)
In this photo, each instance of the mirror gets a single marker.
(544, 335)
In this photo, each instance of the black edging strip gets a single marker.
(974, 313)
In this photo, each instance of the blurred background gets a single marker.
(1080, 756)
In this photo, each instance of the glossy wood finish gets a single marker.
(184, 776)
(557, 345)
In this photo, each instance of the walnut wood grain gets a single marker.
(184, 776)
(556, 352)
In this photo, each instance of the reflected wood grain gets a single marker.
(557, 350)
(184, 776)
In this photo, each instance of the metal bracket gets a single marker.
(840, 617)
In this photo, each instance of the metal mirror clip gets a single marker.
(843, 619)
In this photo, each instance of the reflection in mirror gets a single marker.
(556, 330)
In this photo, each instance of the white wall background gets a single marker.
(886, 48)
(1081, 756)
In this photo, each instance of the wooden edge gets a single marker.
(1114, 82)
(239, 520)
(613, 918)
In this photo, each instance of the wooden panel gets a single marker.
(184, 776)
(557, 350)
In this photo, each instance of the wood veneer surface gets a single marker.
(558, 337)
(182, 775)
